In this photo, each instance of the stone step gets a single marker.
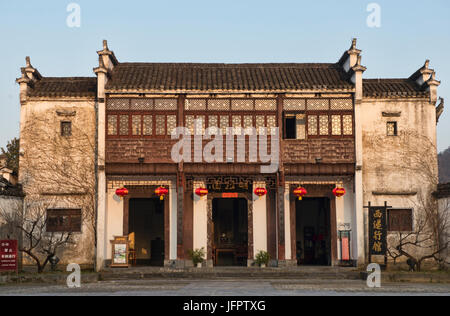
(235, 274)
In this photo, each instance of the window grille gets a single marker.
(318, 105)
(294, 104)
(265, 104)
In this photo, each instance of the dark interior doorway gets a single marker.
(230, 231)
(146, 227)
(313, 231)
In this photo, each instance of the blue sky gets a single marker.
(220, 31)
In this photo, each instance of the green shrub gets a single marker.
(262, 257)
(197, 255)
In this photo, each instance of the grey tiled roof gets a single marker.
(64, 87)
(392, 88)
(227, 77)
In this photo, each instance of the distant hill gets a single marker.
(444, 166)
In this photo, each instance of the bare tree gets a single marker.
(413, 157)
(31, 221)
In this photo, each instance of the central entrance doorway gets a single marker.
(313, 231)
(230, 231)
(146, 231)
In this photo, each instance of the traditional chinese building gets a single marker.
(336, 130)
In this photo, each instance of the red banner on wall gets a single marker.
(8, 255)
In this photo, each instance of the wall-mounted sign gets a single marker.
(8, 255)
(120, 250)
(228, 195)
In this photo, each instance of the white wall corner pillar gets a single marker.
(200, 223)
(287, 223)
(173, 221)
(259, 221)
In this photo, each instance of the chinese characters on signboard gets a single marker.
(377, 230)
(8, 255)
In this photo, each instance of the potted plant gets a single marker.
(197, 256)
(262, 259)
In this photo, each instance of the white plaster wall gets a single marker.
(113, 219)
(200, 229)
(287, 223)
(173, 221)
(259, 222)
(385, 158)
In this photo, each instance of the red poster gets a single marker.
(345, 249)
(8, 255)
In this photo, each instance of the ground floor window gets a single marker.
(63, 220)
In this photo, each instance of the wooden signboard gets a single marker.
(378, 231)
(120, 251)
(8, 255)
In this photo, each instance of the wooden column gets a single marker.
(281, 185)
(180, 186)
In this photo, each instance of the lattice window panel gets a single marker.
(271, 124)
(301, 126)
(294, 104)
(148, 125)
(224, 124)
(136, 125)
(195, 105)
(317, 105)
(166, 104)
(341, 104)
(171, 123)
(219, 105)
(237, 124)
(118, 104)
(347, 123)
(201, 124)
(260, 124)
(248, 121)
(312, 125)
(266, 105)
(189, 123)
(124, 122)
(213, 124)
(242, 105)
(336, 125)
(323, 125)
(160, 125)
(142, 104)
(112, 125)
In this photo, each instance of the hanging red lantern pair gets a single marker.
(260, 192)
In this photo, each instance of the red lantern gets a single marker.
(300, 192)
(339, 192)
(260, 192)
(201, 192)
(122, 192)
(161, 192)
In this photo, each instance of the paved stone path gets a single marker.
(228, 288)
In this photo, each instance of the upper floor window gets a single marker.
(392, 129)
(141, 117)
(317, 118)
(66, 129)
